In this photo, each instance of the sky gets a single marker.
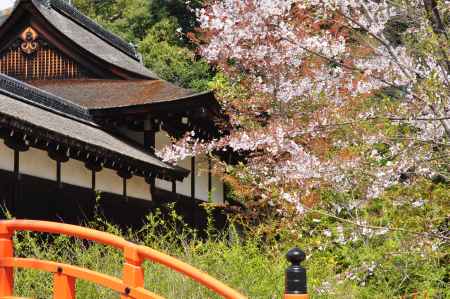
(6, 3)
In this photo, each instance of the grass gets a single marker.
(343, 261)
(238, 264)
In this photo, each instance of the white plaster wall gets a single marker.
(108, 180)
(163, 184)
(184, 187)
(37, 163)
(161, 139)
(217, 190)
(74, 172)
(201, 177)
(6, 157)
(138, 188)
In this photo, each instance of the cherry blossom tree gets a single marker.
(348, 95)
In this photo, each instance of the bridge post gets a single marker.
(63, 286)
(6, 251)
(133, 273)
(295, 284)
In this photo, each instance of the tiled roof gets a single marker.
(75, 15)
(69, 122)
(43, 99)
(91, 37)
(101, 94)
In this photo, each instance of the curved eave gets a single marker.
(38, 124)
(182, 104)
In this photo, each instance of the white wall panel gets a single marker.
(107, 180)
(138, 188)
(74, 172)
(161, 139)
(201, 177)
(217, 190)
(6, 157)
(163, 184)
(37, 163)
(184, 187)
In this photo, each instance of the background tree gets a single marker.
(158, 29)
(348, 97)
(341, 108)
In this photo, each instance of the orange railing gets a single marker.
(130, 286)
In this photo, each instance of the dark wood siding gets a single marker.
(41, 199)
(46, 63)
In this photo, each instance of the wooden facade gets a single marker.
(31, 57)
(79, 114)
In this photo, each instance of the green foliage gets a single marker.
(163, 53)
(345, 259)
(158, 29)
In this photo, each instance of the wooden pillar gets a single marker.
(193, 177)
(125, 174)
(17, 164)
(58, 174)
(150, 180)
(59, 154)
(174, 186)
(150, 129)
(16, 141)
(124, 183)
(17, 177)
(94, 167)
(93, 180)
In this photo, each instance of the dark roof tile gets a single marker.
(75, 15)
(38, 108)
(43, 99)
(100, 94)
(83, 35)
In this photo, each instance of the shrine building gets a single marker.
(81, 118)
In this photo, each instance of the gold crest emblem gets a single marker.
(29, 41)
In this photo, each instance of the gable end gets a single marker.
(31, 57)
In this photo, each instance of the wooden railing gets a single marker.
(130, 286)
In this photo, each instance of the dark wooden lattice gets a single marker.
(46, 62)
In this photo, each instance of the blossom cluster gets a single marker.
(335, 80)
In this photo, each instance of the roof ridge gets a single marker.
(44, 99)
(75, 15)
